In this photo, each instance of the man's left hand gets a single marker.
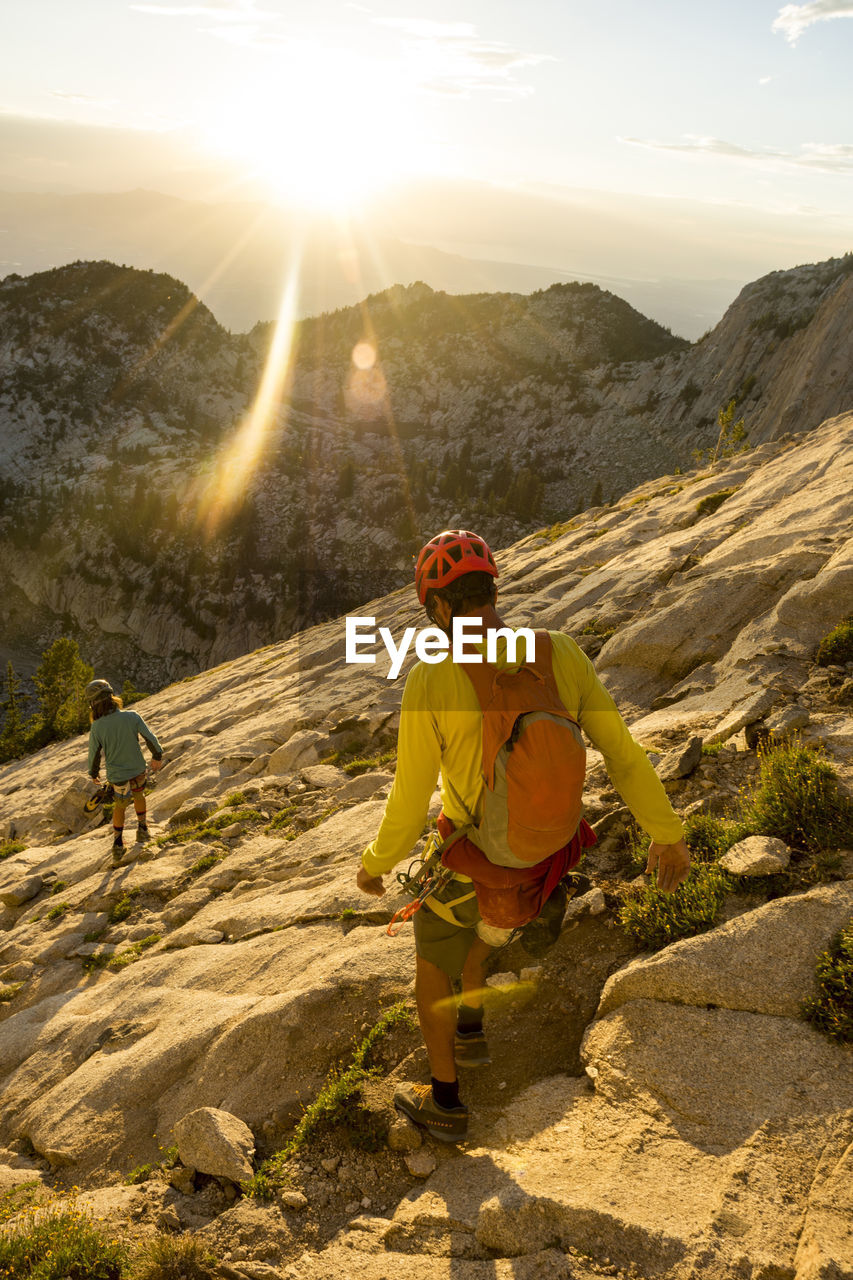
(672, 862)
(369, 884)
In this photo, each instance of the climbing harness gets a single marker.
(425, 877)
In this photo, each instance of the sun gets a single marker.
(326, 132)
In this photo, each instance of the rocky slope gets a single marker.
(657, 1116)
(123, 406)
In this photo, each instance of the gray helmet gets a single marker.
(98, 689)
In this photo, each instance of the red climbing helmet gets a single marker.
(447, 556)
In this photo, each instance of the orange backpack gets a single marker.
(534, 762)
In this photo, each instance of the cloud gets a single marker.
(793, 19)
(765, 79)
(224, 11)
(452, 59)
(823, 156)
(84, 99)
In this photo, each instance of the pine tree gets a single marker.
(12, 738)
(60, 682)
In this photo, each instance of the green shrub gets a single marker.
(837, 646)
(711, 502)
(798, 800)
(58, 911)
(175, 1258)
(204, 864)
(361, 764)
(234, 799)
(831, 1010)
(120, 910)
(339, 1103)
(8, 847)
(712, 748)
(654, 919)
(282, 818)
(141, 1173)
(709, 837)
(59, 1244)
(57, 887)
(9, 991)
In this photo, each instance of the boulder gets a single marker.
(757, 856)
(762, 961)
(15, 895)
(745, 714)
(300, 749)
(681, 761)
(787, 720)
(215, 1142)
(196, 811)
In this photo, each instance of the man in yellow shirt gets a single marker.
(441, 731)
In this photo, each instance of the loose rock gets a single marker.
(757, 856)
(24, 891)
(420, 1164)
(404, 1136)
(216, 1142)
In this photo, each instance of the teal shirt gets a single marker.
(117, 736)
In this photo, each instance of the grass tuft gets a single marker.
(798, 800)
(831, 1010)
(58, 911)
(8, 847)
(59, 1244)
(712, 502)
(339, 1102)
(837, 646)
(655, 919)
(175, 1258)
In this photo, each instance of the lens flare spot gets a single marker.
(364, 355)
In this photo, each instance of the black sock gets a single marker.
(468, 1020)
(117, 834)
(446, 1093)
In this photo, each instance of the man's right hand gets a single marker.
(369, 884)
(156, 765)
(672, 862)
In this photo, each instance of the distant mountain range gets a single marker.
(237, 257)
(145, 510)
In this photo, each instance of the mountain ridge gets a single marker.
(497, 411)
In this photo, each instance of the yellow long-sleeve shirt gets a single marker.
(440, 731)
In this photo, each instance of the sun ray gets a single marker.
(224, 491)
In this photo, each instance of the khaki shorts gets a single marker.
(447, 945)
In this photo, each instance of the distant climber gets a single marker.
(115, 733)
(449, 716)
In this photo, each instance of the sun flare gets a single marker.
(327, 132)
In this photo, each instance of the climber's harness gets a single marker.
(425, 877)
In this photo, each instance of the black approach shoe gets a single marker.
(142, 833)
(118, 848)
(416, 1102)
(471, 1050)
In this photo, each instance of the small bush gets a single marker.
(58, 887)
(836, 648)
(59, 1244)
(712, 748)
(339, 1102)
(831, 1010)
(120, 910)
(711, 502)
(798, 800)
(282, 818)
(141, 1173)
(204, 864)
(175, 1258)
(361, 764)
(9, 991)
(236, 798)
(655, 919)
(709, 837)
(8, 847)
(58, 911)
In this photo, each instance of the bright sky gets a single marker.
(325, 101)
